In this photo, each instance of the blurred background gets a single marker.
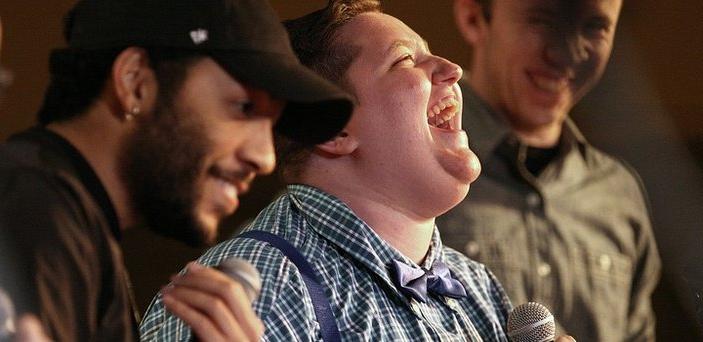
(648, 110)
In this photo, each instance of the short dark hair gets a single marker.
(78, 77)
(315, 40)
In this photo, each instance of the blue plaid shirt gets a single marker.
(353, 265)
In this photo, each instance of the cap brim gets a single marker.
(316, 109)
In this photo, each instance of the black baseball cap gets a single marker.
(244, 36)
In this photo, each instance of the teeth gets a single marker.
(549, 84)
(435, 110)
(229, 189)
(439, 114)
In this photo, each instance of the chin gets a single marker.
(545, 113)
(458, 195)
(462, 166)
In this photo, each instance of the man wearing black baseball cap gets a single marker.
(158, 112)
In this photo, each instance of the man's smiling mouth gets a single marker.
(551, 83)
(440, 115)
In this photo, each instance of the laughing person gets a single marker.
(361, 207)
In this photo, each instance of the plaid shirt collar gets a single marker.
(336, 222)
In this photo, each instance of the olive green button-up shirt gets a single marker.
(576, 238)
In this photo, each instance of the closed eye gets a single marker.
(406, 59)
(244, 107)
(598, 27)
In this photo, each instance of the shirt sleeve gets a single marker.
(284, 304)
(54, 269)
(641, 320)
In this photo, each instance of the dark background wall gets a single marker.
(651, 97)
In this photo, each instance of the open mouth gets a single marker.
(231, 182)
(229, 189)
(443, 113)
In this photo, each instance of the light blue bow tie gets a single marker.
(418, 282)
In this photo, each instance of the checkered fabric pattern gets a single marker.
(353, 264)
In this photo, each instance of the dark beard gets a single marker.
(161, 164)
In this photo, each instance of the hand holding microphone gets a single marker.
(216, 302)
(27, 328)
(245, 273)
(532, 322)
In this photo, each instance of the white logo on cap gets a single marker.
(198, 36)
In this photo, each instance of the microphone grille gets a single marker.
(243, 272)
(531, 322)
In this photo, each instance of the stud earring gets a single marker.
(128, 116)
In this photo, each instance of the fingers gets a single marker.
(212, 304)
(565, 338)
(208, 316)
(29, 328)
(203, 324)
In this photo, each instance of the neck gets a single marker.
(543, 137)
(410, 235)
(98, 138)
(407, 232)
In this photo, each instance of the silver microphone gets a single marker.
(243, 272)
(531, 322)
(7, 316)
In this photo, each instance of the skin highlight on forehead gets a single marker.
(355, 32)
(409, 44)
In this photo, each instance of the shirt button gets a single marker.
(472, 248)
(605, 262)
(453, 304)
(415, 307)
(533, 200)
(544, 270)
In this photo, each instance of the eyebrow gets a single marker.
(602, 19)
(541, 9)
(406, 43)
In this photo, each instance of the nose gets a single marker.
(445, 72)
(566, 50)
(259, 150)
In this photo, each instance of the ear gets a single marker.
(134, 83)
(342, 144)
(468, 15)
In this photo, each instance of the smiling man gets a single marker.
(558, 221)
(159, 112)
(361, 207)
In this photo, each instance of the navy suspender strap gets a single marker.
(323, 309)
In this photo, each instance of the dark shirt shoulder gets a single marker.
(58, 256)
